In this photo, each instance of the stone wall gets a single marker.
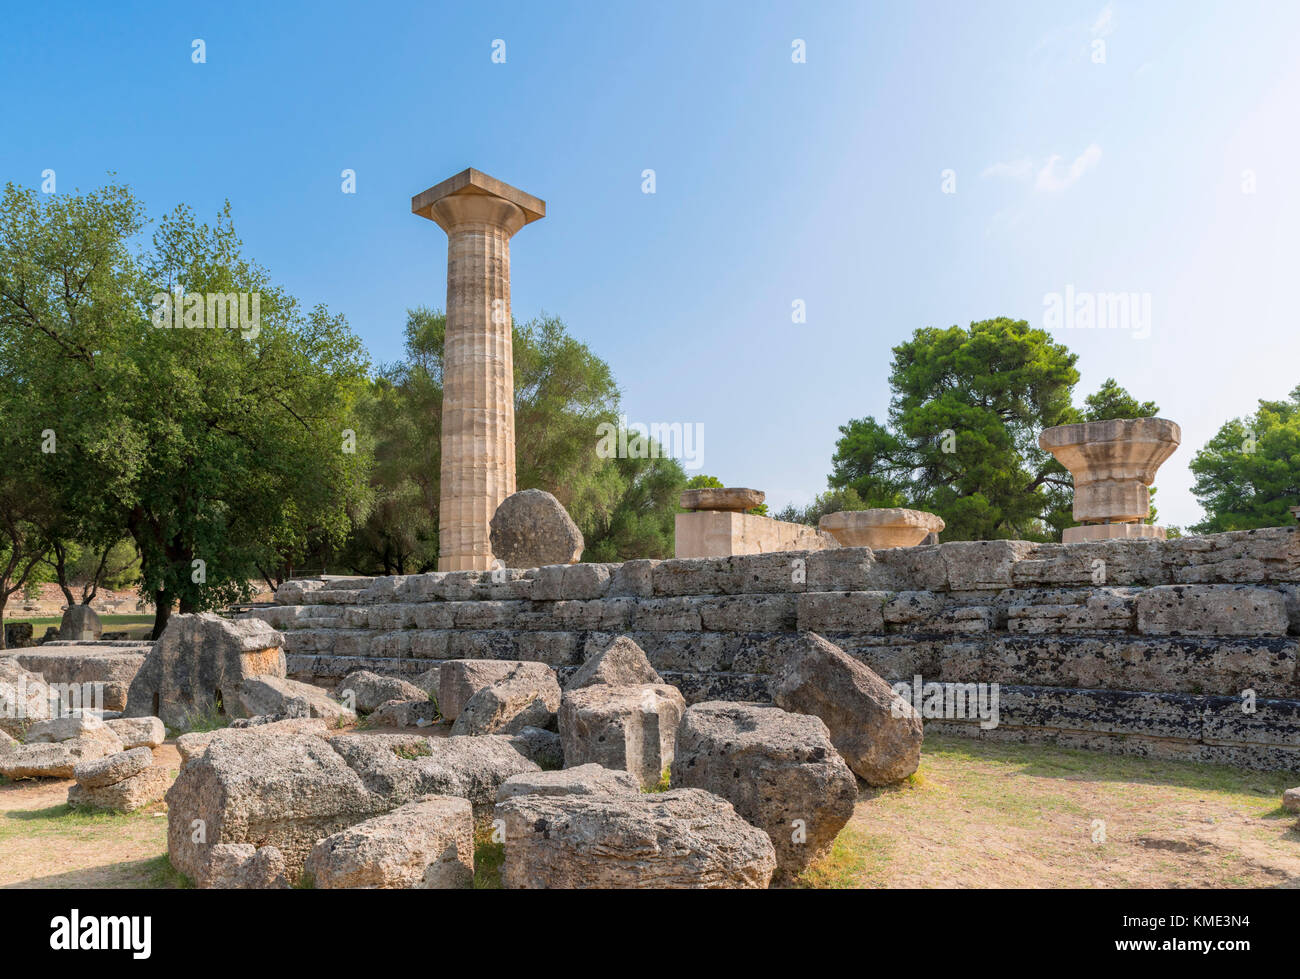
(1136, 646)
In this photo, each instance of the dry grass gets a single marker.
(979, 814)
(976, 814)
(44, 843)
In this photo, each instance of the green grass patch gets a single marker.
(665, 781)
(202, 719)
(488, 857)
(139, 626)
(414, 750)
(854, 860)
(161, 875)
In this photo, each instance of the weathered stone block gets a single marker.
(367, 691)
(94, 773)
(589, 779)
(139, 732)
(666, 615)
(631, 728)
(686, 838)
(200, 660)
(632, 579)
(620, 663)
(460, 679)
(425, 844)
(779, 770)
(878, 734)
(747, 613)
(854, 611)
(144, 788)
(1211, 610)
(525, 697)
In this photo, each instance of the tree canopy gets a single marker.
(961, 437)
(221, 451)
(1248, 474)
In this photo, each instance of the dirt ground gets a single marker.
(974, 815)
(978, 814)
(45, 844)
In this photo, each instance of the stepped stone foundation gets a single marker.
(1183, 648)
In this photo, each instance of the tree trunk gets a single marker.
(162, 603)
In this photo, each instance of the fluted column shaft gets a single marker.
(478, 414)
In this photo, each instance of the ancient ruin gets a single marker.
(480, 215)
(717, 524)
(879, 528)
(1113, 464)
(1133, 646)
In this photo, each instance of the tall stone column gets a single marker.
(480, 215)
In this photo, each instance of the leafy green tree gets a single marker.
(23, 508)
(1111, 400)
(832, 501)
(222, 452)
(563, 392)
(642, 524)
(961, 438)
(71, 564)
(1248, 474)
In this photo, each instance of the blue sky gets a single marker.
(775, 182)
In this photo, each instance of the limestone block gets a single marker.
(97, 772)
(127, 795)
(80, 622)
(460, 679)
(405, 713)
(589, 779)
(779, 770)
(855, 611)
(426, 844)
(685, 838)
(878, 734)
(531, 529)
(1212, 610)
(243, 866)
(715, 533)
(666, 615)
(525, 697)
(982, 564)
(633, 579)
(200, 659)
(747, 613)
(841, 569)
(632, 728)
(620, 663)
(882, 527)
(370, 690)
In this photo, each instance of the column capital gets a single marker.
(472, 197)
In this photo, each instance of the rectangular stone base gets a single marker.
(722, 533)
(1112, 531)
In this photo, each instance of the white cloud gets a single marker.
(1021, 169)
(1052, 178)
